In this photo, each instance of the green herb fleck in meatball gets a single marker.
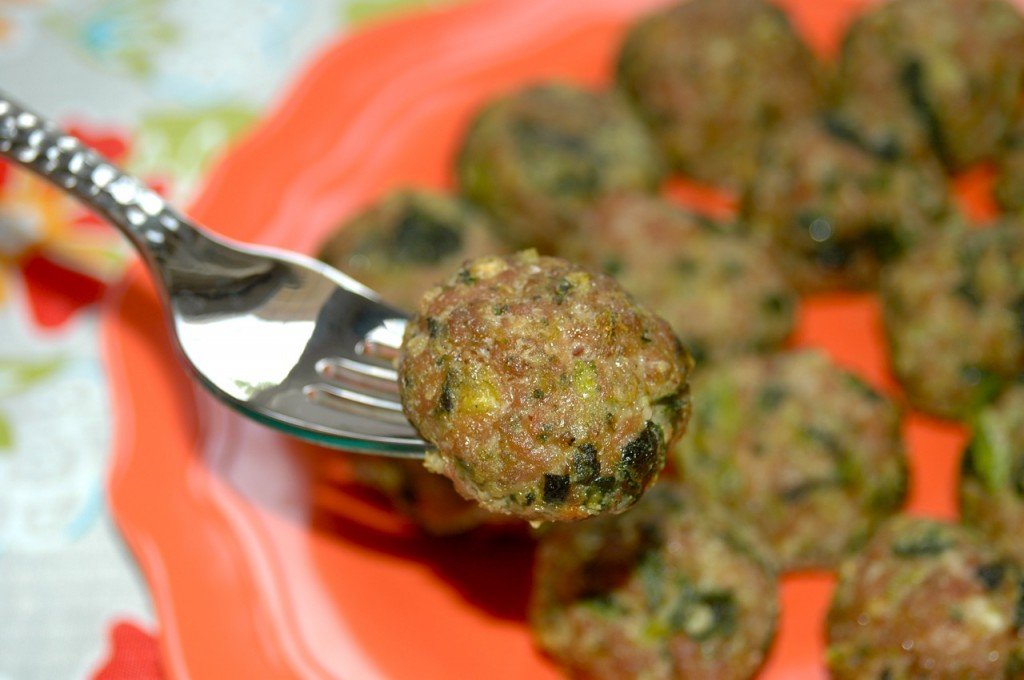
(992, 483)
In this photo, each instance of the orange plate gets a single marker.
(263, 559)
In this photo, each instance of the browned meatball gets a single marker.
(992, 485)
(713, 78)
(927, 599)
(407, 241)
(665, 590)
(954, 317)
(721, 291)
(943, 76)
(547, 392)
(538, 156)
(835, 212)
(798, 447)
(1009, 187)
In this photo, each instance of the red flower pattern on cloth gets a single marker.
(63, 254)
(134, 655)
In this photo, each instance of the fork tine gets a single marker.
(384, 342)
(379, 379)
(356, 402)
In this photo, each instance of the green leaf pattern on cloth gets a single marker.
(184, 142)
(127, 35)
(17, 375)
(6, 435)
(355, 13)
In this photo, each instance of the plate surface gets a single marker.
(264, 560)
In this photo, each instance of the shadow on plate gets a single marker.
(313, 487)
(470, 563)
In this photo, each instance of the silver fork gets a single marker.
(281, 337)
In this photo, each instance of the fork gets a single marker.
(280, 337)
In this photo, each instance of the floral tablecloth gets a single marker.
(162, 86)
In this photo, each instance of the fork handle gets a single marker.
(38, 144)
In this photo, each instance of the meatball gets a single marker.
(992, 484)
(721, 292)
(713, 78)
(547, 391)
(954, 317)
(1009, 186)
(939, 76)
(927, 599)
(663, 591)
(407, 241)
(798, 447)
(836, 212)
(536, 157)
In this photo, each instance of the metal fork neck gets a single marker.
(37, 144)
(178, 253)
